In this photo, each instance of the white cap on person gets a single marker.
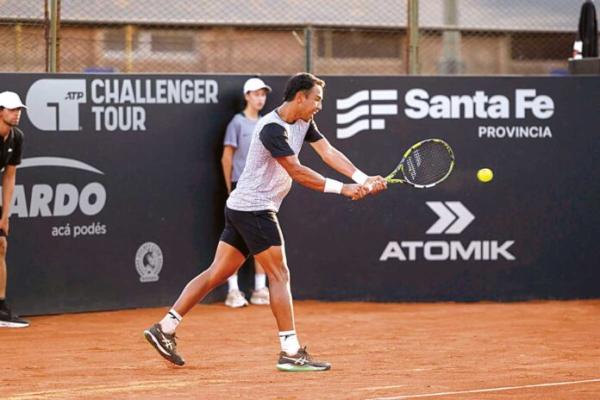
(253, 84)
(11, 100)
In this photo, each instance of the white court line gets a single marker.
(86, 391)
(497, 389)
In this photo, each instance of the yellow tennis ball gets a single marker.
(485, 175)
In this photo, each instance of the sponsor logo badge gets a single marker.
(148, 262)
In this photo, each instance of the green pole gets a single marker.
(412, 58)
(53, 42)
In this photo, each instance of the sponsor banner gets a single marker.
(527, 234)
(119, 199)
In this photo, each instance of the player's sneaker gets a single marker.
(164, 343)
(301, 362)
(10, 320)
(236, 299)
(260, 297)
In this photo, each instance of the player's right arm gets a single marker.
(313, 180)
(274, 138)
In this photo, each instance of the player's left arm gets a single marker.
(9, 177)
(8, 187)
(339, 162)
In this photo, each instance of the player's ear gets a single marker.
(297, 98)
(300, 96)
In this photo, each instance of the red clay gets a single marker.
(377, 351)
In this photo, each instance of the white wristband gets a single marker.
(333, 186)
(359, 177)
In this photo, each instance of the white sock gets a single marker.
(233, 283)
(170, 322)
(260, 281)
(289, 342)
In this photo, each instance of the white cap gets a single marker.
(253, 84)
(11, 100)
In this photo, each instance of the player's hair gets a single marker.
(302, 81)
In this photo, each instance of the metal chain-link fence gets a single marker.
(497, 37)
(286, 36)
(23, 34)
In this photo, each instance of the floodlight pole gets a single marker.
(308, 39)
(451, 59)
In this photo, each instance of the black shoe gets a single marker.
(164, 343)
(300, 362)
(10, 320)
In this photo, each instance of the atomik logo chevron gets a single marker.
(453, 219)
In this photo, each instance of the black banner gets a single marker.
(120, 196)
(529, 233)
(119, 199)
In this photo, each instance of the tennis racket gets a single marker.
(424, 164)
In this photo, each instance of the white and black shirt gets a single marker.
(264, 183)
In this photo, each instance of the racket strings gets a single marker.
(428, 163)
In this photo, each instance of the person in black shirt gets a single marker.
(11, 145)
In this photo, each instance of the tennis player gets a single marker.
(251, 225)
(235, 149)
(11, 148)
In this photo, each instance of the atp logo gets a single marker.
(53, 104)
(350, 112)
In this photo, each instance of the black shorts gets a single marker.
(251, 232)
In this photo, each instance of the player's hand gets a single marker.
(376, 184)
(4, 225)
(354, 191)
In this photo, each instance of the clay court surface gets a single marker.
(537, 350)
